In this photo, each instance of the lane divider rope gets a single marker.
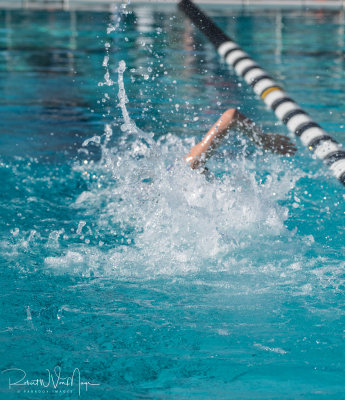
(287, 110)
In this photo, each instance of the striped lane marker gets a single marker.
(286, 109)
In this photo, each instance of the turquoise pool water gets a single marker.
(157, 283)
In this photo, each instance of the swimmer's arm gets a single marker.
(275, 143)
(202, 151)
(233, 119)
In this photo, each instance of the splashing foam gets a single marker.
(168, 218)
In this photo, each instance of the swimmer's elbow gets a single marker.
(230, 113)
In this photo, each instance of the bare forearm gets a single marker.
(231, 119)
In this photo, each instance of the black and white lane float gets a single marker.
(286, 109)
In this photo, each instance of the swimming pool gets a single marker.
(155, 282)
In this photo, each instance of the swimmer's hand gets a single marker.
(197, 156)
(276, 143)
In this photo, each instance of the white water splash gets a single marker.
(129, 125)
(94, 139)
(173, 220)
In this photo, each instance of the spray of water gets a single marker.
(160, 217)
(146, 213)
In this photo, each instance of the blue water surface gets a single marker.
(156, 282)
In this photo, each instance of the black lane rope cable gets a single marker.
(287, 110)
